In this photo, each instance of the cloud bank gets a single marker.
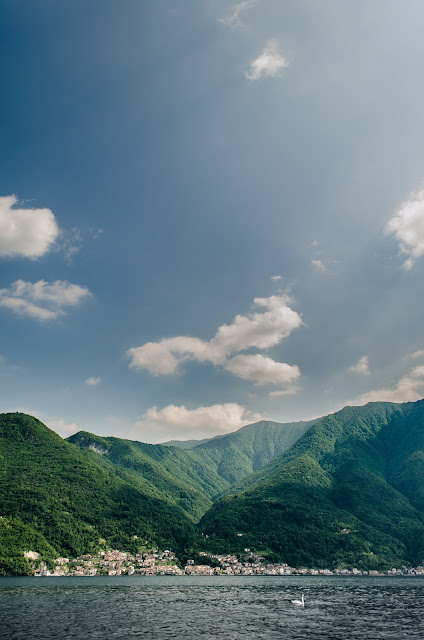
(407, 226)
(410, 388)
(41, 300)
(28, 233)
(255, 330)
(178, 422)
(268, 64)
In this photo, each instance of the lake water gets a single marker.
(233, 608)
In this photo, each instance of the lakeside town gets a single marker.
(154, 562)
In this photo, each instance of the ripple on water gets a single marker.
(212, 608)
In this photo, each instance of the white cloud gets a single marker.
(263, 370)
(61, 427)
(417, 354)
(407, 226)
(361, 366)
(290, 391)
(162, 358)
(232, 20)
(57, 424)
(410, 388)
(92, 382)
(260, 330)
(41, 300)
(268, 64)
(319, 265)
(276, 278)
(174, 422)
(254, 330)
(25, 232)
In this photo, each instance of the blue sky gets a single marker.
(210, 212)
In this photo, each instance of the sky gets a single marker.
(211, 212)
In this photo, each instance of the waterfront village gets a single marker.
(119, 563)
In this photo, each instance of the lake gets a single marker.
(192, 607)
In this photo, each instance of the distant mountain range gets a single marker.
(343, 490)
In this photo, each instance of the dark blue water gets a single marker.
(212, 607)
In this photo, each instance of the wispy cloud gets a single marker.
(276, 278)
(232, 18)
(407, 226)
(41, 300)
(268, 64)
(318, 265)
(25, 232)
(255, 330)
(290, 391)
(70, 243)
(361, 366)
(92, 382)
(174, 422)
(95, 232)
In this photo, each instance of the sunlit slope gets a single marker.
(350, 490)
(73, 501)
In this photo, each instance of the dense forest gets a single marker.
(344, 490)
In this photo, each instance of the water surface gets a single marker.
(192, 607)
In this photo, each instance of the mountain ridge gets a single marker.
(336, 477)
(343, 490)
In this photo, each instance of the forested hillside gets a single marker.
(73, 500)
(181, 477)
(236, 455)
(346, 490)
(350, 490)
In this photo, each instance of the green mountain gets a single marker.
(186, 444)
(66, 501)
(349, 491)
(70, 497)
(236, 455)
(168, 473)
(194, 476)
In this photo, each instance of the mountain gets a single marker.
(180, 477)
(194, 476)
(349, 491)
(236, 455)
(67, 501)
(186, 444)
(68, 497)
